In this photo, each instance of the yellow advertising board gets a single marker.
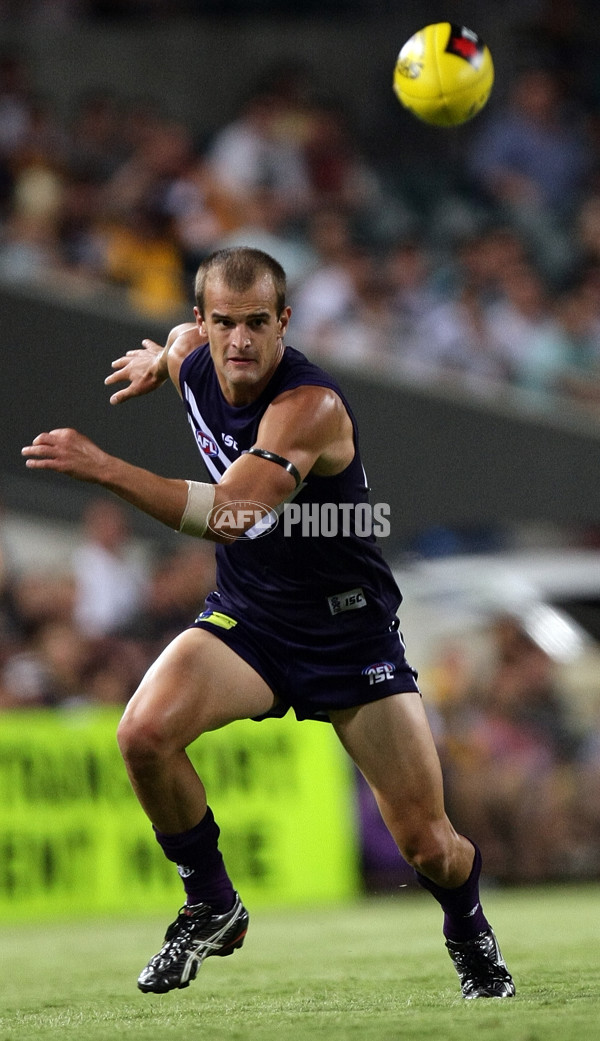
(73, 839)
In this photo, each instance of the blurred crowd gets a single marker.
(493, 284)
(521, 759)
(82, 631)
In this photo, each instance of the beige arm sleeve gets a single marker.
(200, 501)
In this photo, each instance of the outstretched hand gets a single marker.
(141, 368)
(68, 452)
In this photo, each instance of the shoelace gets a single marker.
(177, 936)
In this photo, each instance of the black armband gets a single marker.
(274, 458)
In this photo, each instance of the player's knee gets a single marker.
(426, 851)
(432, 862)
(141, 739)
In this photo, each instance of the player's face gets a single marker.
(245, 336)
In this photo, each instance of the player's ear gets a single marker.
(200, 322)
(283, 321)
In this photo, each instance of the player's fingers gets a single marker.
(118, 363)
(37, 452)
(114, 377)
(41, 439)
(121, 395)
(47, 439)
(47, 461)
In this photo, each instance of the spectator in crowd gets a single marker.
(564, 356)
(327, 296)
(41, 595)
(408, 270)
(49, 661)
(142, 255)
(142, 251)
(81, 237)
(201, 212)
(111, 578)
(531, 162)
(264, 228)
(532, 154)
(53, 655)
(482, 259)
(455, 343)
(36, 603)
(15, 103)
(30, 250)
(160, 151)
(509, 749)
(584, 850)
(355, 324)
(178, 584)
(339, 174)
(50, 672)
(97, 145)
(555, 35)
(263, 147)
(521, 313)
(490, 303)
(587, 230)
(32, 147)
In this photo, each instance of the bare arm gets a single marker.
(68, 452)
(308, 426)
(148, 367)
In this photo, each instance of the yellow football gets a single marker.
(444, 74)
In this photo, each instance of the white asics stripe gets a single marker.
(203, 947)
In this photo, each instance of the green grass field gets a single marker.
(375, 971)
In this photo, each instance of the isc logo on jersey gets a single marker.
(379, 672)
(206, 443)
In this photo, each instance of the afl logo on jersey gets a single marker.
(379, 672)
(206, 443)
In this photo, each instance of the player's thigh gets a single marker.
(390, 741)
(196, 684)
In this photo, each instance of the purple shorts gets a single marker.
(314, 679)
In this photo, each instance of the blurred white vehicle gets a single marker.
(452, 602)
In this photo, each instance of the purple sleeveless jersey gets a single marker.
(303, 588)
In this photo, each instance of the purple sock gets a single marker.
(200, 864)
(463, 915)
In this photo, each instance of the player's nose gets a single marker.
(241, 337)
